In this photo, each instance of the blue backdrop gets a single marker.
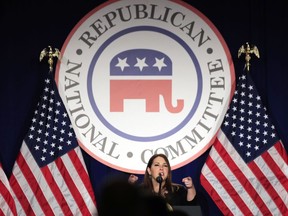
(27, 27)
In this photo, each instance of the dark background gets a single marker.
(29, 26)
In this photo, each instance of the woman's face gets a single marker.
(158, 167)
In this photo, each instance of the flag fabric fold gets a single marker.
(7, 204)
(246, 171)
(49, 176)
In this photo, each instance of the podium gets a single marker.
(189, 210)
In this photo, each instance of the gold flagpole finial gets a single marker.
(50, 54)
(248, 50)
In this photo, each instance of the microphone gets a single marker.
(159, 179)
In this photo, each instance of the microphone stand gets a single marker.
(159, 192)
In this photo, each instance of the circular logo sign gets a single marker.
(145, 77)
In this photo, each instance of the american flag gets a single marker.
(246, 172)
(49, 176)
(7, 204)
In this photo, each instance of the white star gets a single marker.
(141, 63)
(122, 63)
(159, 63)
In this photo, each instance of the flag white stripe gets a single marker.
(270, 176)
(23, 183)
(281, 163)
(58, 178)
(4, 207)
(218, 187)
(62, 184)
(279, 160)
(77, 179)
(20, 210)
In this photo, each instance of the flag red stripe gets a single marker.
(267, 185)
(218, 201)
(228, 187)
(6, 194)
(275, 169)
(22, 199)
(81, 170)
(71, 186)
(282, 152)
(241, 178)
(38, 193)
(50, 179)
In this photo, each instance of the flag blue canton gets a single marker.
(246, 123)
(51, 134)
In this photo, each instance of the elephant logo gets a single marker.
(142, 62)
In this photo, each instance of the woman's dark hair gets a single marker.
(147, 182)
